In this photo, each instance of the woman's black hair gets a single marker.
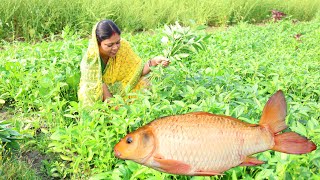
(105, 29)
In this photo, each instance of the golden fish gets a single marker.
(206, 144)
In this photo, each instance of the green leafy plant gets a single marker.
(21, 19)
(180, 42)
(234, 74)
(8, 137)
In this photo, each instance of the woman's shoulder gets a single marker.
(125, 46)
(125, 50)
(124, 42)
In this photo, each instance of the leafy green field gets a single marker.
(37, 19)
(235, 74)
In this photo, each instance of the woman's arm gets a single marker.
(106, 93)
(146, 68)
(154, 62)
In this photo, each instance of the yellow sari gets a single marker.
(122, 73)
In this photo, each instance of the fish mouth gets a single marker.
(117, 153)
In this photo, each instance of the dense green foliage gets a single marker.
(20, 19)
(235, 73)
(8, 137)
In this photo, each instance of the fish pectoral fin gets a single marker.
(251, 161)
(172, 166)
(206, 173)
(158, 156)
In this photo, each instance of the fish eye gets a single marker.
(129, 140)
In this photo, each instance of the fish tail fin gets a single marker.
(293, 143)
(274, 113)
(273, 118)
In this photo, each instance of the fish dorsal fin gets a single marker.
(274, 113)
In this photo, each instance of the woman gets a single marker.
(110, 66)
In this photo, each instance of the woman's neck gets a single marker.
(105, 59)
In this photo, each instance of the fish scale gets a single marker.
(177, 142)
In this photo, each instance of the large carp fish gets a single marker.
(205, 144)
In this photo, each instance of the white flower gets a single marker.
(164, 40)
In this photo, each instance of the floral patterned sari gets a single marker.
(122, 73)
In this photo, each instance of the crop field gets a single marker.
(37, 19)
(227, 70)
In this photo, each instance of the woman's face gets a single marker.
(109, 47)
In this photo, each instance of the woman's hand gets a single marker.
(155, 62)
(105, 92)
(160, 60)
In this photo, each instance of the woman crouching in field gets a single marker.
(110, 66)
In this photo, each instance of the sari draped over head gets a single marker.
(121, 74)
